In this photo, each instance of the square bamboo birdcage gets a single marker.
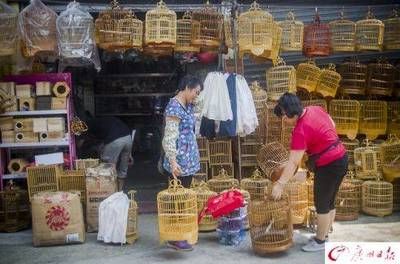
(83, 164)
(207, 27)
(271, 228)
(177, 214)
(373, 118)
(273, 124)
(160, 26)
(118, 29)
(316, 102)
(220, 151)
(347, 201)
(350, 146)
(8, 29)
(316, 38)
(42, 178)
(248, 152)
(280, 79)
(298, 196)
(396, 196)
(381, 76)
(369, 33)
(203, 193)
(222, 182)
(203, 172)
(184, 34)
(346, 114)
(132, 225)
(343, 34)
(391, 40)
(255, 185)
(204, 148)
(272, 156)
(307, 76)
(366, 162)
(377, 198)
(73, 180)
(354, 78)
(328, 82)
(215, 170)
(292, 33)
(393, 121)
(38, 29)
(259, 96)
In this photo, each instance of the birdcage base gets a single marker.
(45, 45)
(372, 135)
(353, 91)
(377, 212)
(262, 248)
(392, 46)
(297, 220)
(189, 49)
(391, 173)
(344, 49)
(346, 217)
(369, 48)
(14, 226)
(118, 46)
(208, 227)
(131, 238)
(382, 92)
(206, 43)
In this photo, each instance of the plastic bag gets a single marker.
(75, 33)
(8, 29)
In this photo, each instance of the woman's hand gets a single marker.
(277, 190)
(175, 169)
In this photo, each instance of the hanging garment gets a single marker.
(246, 111)
(207, 128)
(228, 128)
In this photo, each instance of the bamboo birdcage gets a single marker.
(310, 190)
(350, 146)
(203, 172)
(316, 38)
(343, 34)
(381, 76)
(273, 124)
(160, 29)
(207, 27)
(328, 82)
(276, 44)
(396, 88)
(177, 213)
(280, 79)
(366, 162)
(118, 29)
(390, 159)
(348, 200)
(42, 178)
(203, 193)
(316, 102)
(369, 33)
(373, 118)
(311, 221)
(259, 96)
(228, 33)
(73, 180)
(393, 121)
(354, 77)
(204, 149)
(222, 182)
(229, 168)
(286, 134)
(272, 156)
(292, 33)
(248, 151)
(220, 151)
(307, 76)
(346, 114)
(391, 40)
(8, 30)
(184, 34)
(377, 198)
(255, 185)
(298, 195)
(396, 196)
(271, 228)
(132, 225)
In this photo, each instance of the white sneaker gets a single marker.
(313, 246)
(313, 238)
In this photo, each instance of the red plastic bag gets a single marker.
(222, 204)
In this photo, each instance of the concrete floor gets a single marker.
(17, 247)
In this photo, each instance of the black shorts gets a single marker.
(326, 184)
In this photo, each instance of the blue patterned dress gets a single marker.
(187, 157)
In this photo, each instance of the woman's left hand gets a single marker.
(277, 190)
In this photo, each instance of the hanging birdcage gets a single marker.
(354, 78)
(366, 162)
(228, 33)
(369, 33)
(316, 102)
(177, 213)
(37, 24)
(184, 34)
(348, 200)
(132, 225)
(271, 158)
(343, 34)
(203, 193)
(328, 82)
(160, 27)
(350, 146)
(346, 114)
(8, 30)
(393, 121)
(118, 29)
(273, 128)
(255, 185)
(391, 38)
(280, 79)
(276, 44)
(271, 228)
(390, 159)
(381, 76)
(307, 76)
(310, 190)
(396, 196)
(292, 33)
(377, 198)
(207, 27)
(222, 182)
(298, 195)
(373, 118)
(259, 96)
(316, 38)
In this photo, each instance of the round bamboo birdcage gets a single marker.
(207, 27)
(259, 96)
(307, 76)
(255, 185)
(316, 102)
(396, 196)
(316, 38)
(390, 159)
(366, 162)
(369, 33)
(280, 79)
(184, 34)
(377, 198)
(354, 78)
(343, 34)
(391, 40)
(393, 121)
(255, 31)
(271, 228)
(203, 193)
(222, 182)
(271, 157)
(347, 202)
(381, 76)
(37, 29)
(292, 33)
(351, 177)
(132, 225)
(273, 124)
(160, 26)
(310, 190)
(373, 118)
(346, 114)
(8, 30)
(118, 29)
(298, 195)
(350, 146)
(276, 44)
(328, 82)
(177, 213)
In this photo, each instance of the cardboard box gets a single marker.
(23, 90)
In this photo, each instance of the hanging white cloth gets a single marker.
(247, 120)
(113, 218)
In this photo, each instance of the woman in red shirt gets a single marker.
(315, 134)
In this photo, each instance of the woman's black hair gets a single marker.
(288, 104)
(189, 81)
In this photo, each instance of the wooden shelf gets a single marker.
(35, 113)
(36, 144)
(132, 95)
